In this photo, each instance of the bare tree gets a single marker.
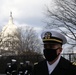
(29, 40)
(64, 16)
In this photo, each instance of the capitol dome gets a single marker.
(10, 38)
(10, 28)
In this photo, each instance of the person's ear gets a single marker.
(59, 50)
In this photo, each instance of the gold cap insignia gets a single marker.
(47, 35)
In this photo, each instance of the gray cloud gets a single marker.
(28, 12)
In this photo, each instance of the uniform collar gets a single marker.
(52, 66)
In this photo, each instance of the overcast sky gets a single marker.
(24, 12)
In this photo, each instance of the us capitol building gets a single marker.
(9, 38)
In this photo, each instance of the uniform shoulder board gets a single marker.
(74, 63)
(36, 63)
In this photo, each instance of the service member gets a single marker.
(14, 67)
(54, 63)
(21, 69)
(8, 69)
(28, 68)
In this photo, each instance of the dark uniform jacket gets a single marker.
(64, 67)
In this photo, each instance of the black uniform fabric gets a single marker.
(64, 67)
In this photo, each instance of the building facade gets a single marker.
(9, 38)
